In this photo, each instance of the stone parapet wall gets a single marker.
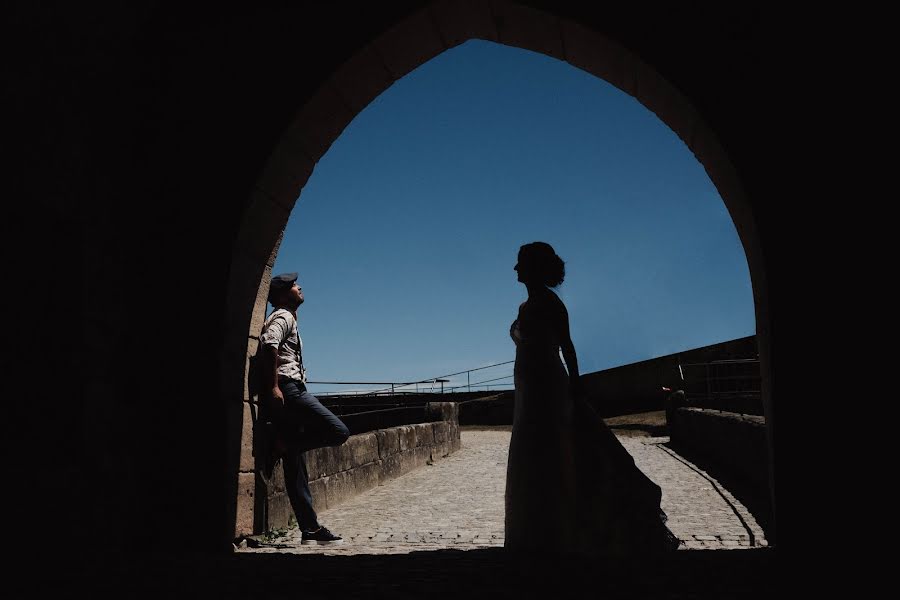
(338, 473)
(734, 441)
(491, 410)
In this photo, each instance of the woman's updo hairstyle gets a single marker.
(539, 260)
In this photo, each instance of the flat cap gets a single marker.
(281, 282)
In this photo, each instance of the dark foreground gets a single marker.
(438, 574)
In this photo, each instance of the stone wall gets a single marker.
(355, 403)
(736, 442)
(492, 410)
(425, 412)
(628, 389)
(637, 387)
(364, 461)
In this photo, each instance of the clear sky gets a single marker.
(406, 234)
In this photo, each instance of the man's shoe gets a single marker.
(320, 536)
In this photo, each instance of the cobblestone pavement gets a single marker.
(457, 503)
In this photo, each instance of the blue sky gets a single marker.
(406, 234)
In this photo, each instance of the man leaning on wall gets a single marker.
(301, 422)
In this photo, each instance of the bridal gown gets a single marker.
(571, 487)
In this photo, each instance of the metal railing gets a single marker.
(423, 386)
(734, 383)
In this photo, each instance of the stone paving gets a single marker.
(457, 503)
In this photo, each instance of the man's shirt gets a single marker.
(280, 332)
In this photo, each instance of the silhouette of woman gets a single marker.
(571, 487)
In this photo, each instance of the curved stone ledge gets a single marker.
(363, 462)
(736, 442)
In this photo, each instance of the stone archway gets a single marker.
(350, 88)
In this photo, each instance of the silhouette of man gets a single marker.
(301, 422)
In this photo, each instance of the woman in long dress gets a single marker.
(571, 487)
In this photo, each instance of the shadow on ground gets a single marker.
(753, 496)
